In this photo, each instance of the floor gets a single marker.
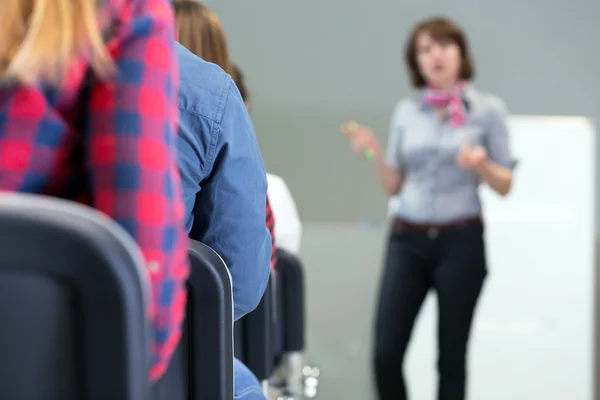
(532, 339)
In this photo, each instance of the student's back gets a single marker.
(224, 186)
(204, 86)
(224, 181)
(95, 123)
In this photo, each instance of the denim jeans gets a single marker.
(171, 387)
(246, 386)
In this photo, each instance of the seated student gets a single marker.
(271, 226)
(224, 185)
(288, 228)
(95, 123)
(221, 166)
(200, 31)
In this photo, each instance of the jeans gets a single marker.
(451, 263)
(172, 386)
(246, 386)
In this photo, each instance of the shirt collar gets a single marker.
(469, 96)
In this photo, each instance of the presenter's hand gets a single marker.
(471, 157)
(361, 138)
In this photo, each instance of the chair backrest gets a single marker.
(290, 274)
(209, 324)
(72, 304)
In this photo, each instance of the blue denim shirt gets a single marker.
(223, 176)
(423, 148)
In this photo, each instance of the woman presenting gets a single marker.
(445, 140)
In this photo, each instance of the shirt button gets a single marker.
(432, 233)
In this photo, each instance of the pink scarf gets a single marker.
(451, 99)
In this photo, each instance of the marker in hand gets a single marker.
(352, 127)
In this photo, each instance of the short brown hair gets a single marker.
(200, 31)
(238, 78)
(439, 28)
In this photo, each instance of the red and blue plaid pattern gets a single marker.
(271, 226)
(114, 150)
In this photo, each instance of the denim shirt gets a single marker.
(423, 148)
(223, 177)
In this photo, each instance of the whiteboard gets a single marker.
(533, 334)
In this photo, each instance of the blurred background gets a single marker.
(312, 65)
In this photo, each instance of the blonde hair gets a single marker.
(200, 31)
(39, 38)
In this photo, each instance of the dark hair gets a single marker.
(238, 78)
(438, 28)
(200, 31)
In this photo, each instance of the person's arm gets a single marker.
(229, 214)
(130, 145)
(497, 169)
(389, 177)
(389, 166)
(271, 228)
(288, 227)
(497, 177)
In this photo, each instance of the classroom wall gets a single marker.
(313, 64)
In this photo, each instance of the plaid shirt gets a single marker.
(112, 146)
(271, 226)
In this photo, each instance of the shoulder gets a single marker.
(204, 87)
(120, 21)
(406, 109)
(275, 182)
(407, 104)
(489, 105)
(280, 196)
(145, 14)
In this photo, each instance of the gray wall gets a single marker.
(313, 64)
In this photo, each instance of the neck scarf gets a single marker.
(451, 99)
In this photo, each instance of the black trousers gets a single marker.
(453, 264)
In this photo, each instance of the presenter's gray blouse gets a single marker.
(423, 148)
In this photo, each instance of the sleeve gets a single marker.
(131, 147)
(497, 138)
(288, 228)
(393, 152)
(230, 212)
